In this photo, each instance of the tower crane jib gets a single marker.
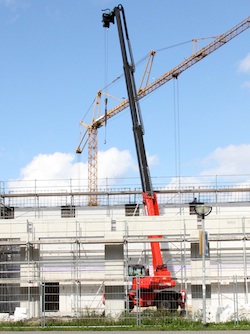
(172, 74)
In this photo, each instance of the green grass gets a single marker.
(127, 321)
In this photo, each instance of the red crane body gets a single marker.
(154, 290)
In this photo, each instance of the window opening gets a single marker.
(68, 211)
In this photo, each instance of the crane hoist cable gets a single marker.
(106, 109)
(177, 127)
(106, 57)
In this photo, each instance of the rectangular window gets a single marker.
(9, 272)
(196, 250)
(114, 292)
(7, 212)
(196, 291)
(132, 210)
(51, 296)
(9, 298)
(68, 211)
(113, 225)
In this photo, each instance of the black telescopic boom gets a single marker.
(129, 69)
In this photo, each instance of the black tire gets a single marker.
(174, 306)
(128, 305)
(183, 312)
(166, 302)
(164, 305)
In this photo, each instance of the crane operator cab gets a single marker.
(137, 270)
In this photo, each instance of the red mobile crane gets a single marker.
(154, 290)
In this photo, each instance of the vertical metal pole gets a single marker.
(235, 300)
(126, 273)
(219, 272)
(203, 272)
(138, 311)
(216, 194)
(43, 304)
(203, 211)
(28, 260)
(245, 260)
(185, 255)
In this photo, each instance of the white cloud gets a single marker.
(114, 163)
(244, 64)
(62, 171)
(152, 160)
(230, 160)
(49, 166)
(59, 170)
(62, 166)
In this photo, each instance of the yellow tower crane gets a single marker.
(91, 130)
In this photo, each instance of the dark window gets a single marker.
(9, 272)
(9, 298)
(113, 225)
(132, 210)
(68, 211)
(7, 212)
(114, 292)
(196, 291)
(195, 250)
(51, 296)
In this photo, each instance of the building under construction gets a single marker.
(59, 256)
(68, 252)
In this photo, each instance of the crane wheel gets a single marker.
(166, 301)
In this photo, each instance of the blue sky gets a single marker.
(55, 56)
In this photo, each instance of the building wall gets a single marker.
(71, 252)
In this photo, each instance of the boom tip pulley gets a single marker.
(108, 18)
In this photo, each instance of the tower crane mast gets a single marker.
(172, 74)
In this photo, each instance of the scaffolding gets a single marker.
(55, 249)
